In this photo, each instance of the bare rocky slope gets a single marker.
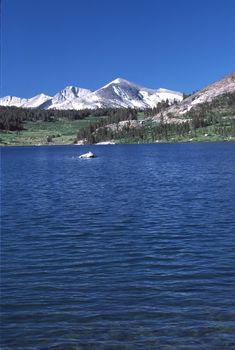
(204, 96)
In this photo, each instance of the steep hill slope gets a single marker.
(203, 98)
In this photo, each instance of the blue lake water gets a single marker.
(134, 249)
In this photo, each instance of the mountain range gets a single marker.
(119, 93)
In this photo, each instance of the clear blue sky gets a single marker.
(49, 44)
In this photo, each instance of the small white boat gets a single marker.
(88, 155)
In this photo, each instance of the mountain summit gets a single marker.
(119, 93)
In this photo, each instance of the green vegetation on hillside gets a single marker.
(19, 126)
(14, 119)
(213, 121)
(42, 133)
(98, 130)
(152, 131)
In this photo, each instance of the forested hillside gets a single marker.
(13, 118)
(214, 120)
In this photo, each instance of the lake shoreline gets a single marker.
(119, 143)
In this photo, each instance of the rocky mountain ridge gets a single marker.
(119, 93)
(194, 101)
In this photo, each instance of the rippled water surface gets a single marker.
(134, 249)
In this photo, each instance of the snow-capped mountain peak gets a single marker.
(119, 93)
(124, 82)
(36, 101)
(12, 101)
(69, 93)
(63, 99)
(120, 81)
